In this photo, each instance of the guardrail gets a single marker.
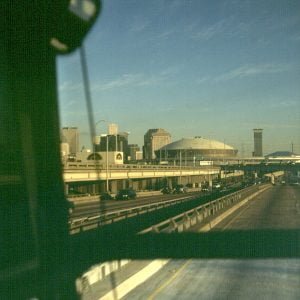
(72, 166)
(203, 212)
(95, 221)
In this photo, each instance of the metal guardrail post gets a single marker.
(155, 229)
(195, 217)
(202, 212)
(186, 222)
(173, 226)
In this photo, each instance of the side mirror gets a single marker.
(69, 21)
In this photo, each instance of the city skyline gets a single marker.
(194, 68)
(257, 143)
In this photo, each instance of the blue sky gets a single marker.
(215, 69)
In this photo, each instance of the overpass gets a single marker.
(93, 178)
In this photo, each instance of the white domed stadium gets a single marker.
(197, 148)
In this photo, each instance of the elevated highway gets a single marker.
(91, 172)
(94, 179)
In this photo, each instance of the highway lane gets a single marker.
(93, 207)
(278, 207)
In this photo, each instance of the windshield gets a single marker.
(196, 108)
(212, 69)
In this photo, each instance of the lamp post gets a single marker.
(106, 135)
(94, 146)
(180, 166)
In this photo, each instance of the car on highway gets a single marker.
(180, 189)
(126, 194)
(166, 190)
(106, 196)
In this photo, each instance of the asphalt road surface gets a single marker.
(278, 207)
(88, 208)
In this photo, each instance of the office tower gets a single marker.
(70, 135)
(258, 149)
(112, 129)
(132, 150)
(154, 139)
(117, 142)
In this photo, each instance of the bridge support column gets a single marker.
(143, 184)
(114, 186)
(184, 180)
(124, 184)
(135, 185)
(210, 184)
(66, 188)
(169, 182)
(102, 187)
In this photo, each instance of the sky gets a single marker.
(215, 69)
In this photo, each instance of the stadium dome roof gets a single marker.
(281, 154)
(196, 143)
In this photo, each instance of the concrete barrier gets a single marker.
(97, 273)
(201, 213)
(221, 217)
(148, 193)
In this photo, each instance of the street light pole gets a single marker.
(180, 166)
(94, 146)
(107, 163)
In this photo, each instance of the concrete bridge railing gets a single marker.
(92, 172)
(205, 213)
(86, 223)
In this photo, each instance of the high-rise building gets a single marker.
(258, 144)
(117, 142)
(64, 149)
(70, 135)
(112, 129)
(132, 150)
(138, 155)
(154, 139)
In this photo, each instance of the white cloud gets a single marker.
(139, 25)
(252, 70)
(134, 80)
(67, 86)
(203, 79)
(209, 32)
(165, 34)
(122, 81)
(285, 103)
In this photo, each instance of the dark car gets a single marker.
(126, 194)
(71, 206)
(106, 196)
(179, 189)
(166, 190)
